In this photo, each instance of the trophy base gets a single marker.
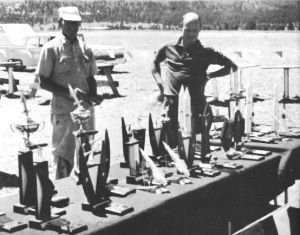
(154, 189)
(229, 165)
(120, 191)
(208, 172)
(194, 173)
(57, 212)
(86, 206)
(124, 164)
(61, 225)
(180, 180)
(267, 140)
(135, 179)
(58, 201)
(106, 206)
(9, 225)
(252, 157)
(35, 146)
(83, 133)
(118, 209)
(41, 224)
(23, 209)
(259, 152)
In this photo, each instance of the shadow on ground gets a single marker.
(8, 180)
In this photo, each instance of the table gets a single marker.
(10, 80)
(204, 207)
(286, 70)
(106, 67)
(289, 166)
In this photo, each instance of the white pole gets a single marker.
(215, 89)
(10, 80)
(187, 121)
(180, 108)
(276, 109)
(249, 108)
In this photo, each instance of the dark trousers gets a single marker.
(172, 107)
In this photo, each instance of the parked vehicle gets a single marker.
(24, 46)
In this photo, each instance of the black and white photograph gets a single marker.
(150, 117)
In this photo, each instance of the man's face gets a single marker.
(190, 31)
(70, 29)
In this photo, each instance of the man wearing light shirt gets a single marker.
(67, 60)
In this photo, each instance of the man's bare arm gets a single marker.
(93, 96)
(223, 71)
(156, 73)
(53, 87)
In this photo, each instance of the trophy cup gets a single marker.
(80, 114)
(26, 125)
(26, 165)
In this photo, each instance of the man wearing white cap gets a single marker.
(67, 60)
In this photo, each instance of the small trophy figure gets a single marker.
(26, 125)
(81, 115)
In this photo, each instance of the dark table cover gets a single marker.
(289, 166)
(203, 207)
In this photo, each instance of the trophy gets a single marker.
(26, 125)
(227, 136)
(98, 201)
(238, 129)
(28, 188)
(125, 138)
(205, 127)
(80, 115)
(45, 216)
(186, 137)
(26, 165)
(157, 135)
(205, 166)
(184, 111)
(138, 133)
(157, 179)
(181, 167)
(136, 174)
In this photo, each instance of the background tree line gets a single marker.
(126, 14)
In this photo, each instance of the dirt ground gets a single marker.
(138, 91)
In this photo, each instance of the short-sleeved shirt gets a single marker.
(188, 67)
(66, 63)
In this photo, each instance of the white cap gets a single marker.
(69, 13)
